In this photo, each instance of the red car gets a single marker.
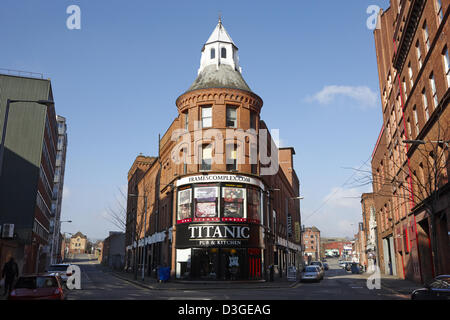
(37, 287)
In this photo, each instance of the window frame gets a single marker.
(425, 104)
(426, 35)
(419, 54)
(202, 164)
(204, 118)
(446, 59)
(434, 90)
(231, 166)
(228, 116)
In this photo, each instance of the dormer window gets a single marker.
(213, 53)
(223, 53)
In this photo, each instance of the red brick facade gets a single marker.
(206, 218)
(412, 45)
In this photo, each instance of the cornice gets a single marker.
(219, 96)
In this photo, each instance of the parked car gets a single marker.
(312, 273)
(437, 289)
(325, 266)
(342, 263)
(317, 263)
(59, 269)
(37, 287)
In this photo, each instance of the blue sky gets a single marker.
(117, 78)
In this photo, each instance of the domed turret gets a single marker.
(219, 63)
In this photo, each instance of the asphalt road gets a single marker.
(337, 285)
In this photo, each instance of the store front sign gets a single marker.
(217, 235)
(230, 178)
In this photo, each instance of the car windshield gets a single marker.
(57, 268)
(26, 283)
(36, 282)
(440, 284)
(46, 282)
(315, 263)
(311, 269)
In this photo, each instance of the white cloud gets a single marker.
(361, 94)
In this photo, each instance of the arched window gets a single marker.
(223, 53)
(213, 53)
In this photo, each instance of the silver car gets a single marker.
(59, 270)
(312, 273)
(317, 263)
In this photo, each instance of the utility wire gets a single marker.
(342, 185)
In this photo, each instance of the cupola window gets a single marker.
(223, 53)
(213, 53)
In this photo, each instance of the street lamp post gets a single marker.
(287, 223)
(52, 261)
(8, 103)
(145, 225)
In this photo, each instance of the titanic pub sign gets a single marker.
(217, 235)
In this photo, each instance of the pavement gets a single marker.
(397, 285)
(154, 284)
(390, 283)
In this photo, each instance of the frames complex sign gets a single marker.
(230, 178)
(217, 235)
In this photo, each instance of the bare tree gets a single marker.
(133, 221)
(118, 215)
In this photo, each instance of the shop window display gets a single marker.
(206, 199)
(184, 204)
(253, 204)
(233, 202)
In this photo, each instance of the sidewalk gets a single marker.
(395, 284)
(152, 283)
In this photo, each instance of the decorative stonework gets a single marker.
(219, 96)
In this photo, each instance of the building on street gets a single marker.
(28, 162)
(410, 161)
(359, 246)
(311, 244)
(370, 231)
(57, 194)
(220, 200)
(333, 247)
(78, 243)
(114, 250)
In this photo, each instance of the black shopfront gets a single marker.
(219, 232)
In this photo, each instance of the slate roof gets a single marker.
(223, 77)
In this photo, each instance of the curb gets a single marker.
(205, 287)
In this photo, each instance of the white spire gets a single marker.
(219, 34)
(219, 49)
